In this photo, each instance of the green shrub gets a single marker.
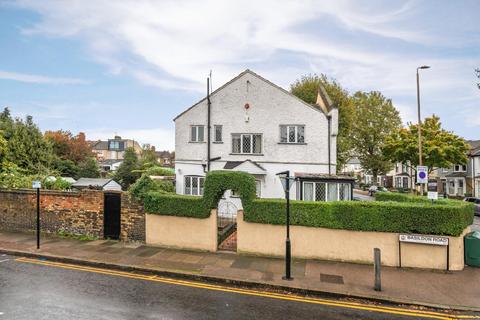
(145, 184)
(175, 205)
(442, 219)
(159, 171)
(217, 182)
(402, 197)
(57, 184)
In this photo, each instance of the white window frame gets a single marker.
(295, 128)
(215, 127)
(258, 188)
(197, 127)
(198, 181)
(242, 135)
(338, 186)
(459, 168)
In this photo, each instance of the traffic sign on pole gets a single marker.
(422, 174)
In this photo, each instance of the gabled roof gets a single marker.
(100, 145)
(315, 106)
(234, 164)
(91, 182)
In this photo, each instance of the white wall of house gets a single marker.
(269, 107)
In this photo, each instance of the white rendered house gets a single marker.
(260, 128)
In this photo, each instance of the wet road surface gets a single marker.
(36, 289)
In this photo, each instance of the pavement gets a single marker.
(476, 224)
(455, 289)
(38, 289)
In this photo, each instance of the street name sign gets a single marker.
(422, 174)
(36, 184)
(424, 239)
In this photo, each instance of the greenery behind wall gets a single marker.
(399, 213)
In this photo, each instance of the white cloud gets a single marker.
(39, 79)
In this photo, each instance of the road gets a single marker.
(35, 289)
(476, 224)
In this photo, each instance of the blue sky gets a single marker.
(128, 67)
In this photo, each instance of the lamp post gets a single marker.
(420, 162)
(285, 179)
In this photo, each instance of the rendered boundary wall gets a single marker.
(182, 232)
(346, 245)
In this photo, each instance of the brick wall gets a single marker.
(71, 212)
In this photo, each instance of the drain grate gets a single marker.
(331, 278)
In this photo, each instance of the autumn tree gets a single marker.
(440, 148)
(376, 120)
(306, 88)
(68, 146)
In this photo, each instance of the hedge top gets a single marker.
(217, 182)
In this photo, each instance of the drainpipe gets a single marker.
(208, 124)
(329, 120)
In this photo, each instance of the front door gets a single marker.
(111, 216)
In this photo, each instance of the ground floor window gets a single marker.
(194, 185)
(258, 188)
(326, 191)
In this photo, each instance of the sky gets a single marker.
(129, 67)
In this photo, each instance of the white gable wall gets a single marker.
(269, 108)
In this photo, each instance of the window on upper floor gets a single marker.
(197, 133)
(459, 168)
(194, 185)
(292, 134)
(217, 137)
(247, 143)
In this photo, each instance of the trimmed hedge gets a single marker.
(403, 197)
(217, 182)
(445, 219)
(175, 205)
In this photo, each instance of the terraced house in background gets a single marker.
(260, 128)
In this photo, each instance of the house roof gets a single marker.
(109, 161)
(229, 165)
(100, 145)
(91, 182)
(324, 95)
(474, 143)
(323, 176)
(353, 160)
(456, 174)
(403, 174)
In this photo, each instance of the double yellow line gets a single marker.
(325, 302)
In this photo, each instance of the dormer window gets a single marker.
(459, 168)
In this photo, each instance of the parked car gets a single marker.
(476, 201)
(374, 189)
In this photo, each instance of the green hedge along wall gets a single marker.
(175, 205)
(424, 218)
(402, 197)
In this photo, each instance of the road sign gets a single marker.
(422, 174)
(424, 239)
(432, 195)
(36, 184)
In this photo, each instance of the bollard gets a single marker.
(377, 263)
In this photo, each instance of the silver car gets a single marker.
(475, 201)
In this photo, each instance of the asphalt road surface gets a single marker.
(36, 289)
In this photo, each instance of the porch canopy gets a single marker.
(248, 166)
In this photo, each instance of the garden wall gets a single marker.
(71, 212)
(182, 232)
(345, 245)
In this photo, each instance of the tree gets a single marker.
(127, 173)
(88, 168)
(26, 146)
(3, 148)
(440, 148)
(306, 89)
(148, 157)
(377, 119)
(69, 147)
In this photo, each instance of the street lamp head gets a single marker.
(424, 67)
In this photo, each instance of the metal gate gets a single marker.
(111, 215)
(227, 225)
